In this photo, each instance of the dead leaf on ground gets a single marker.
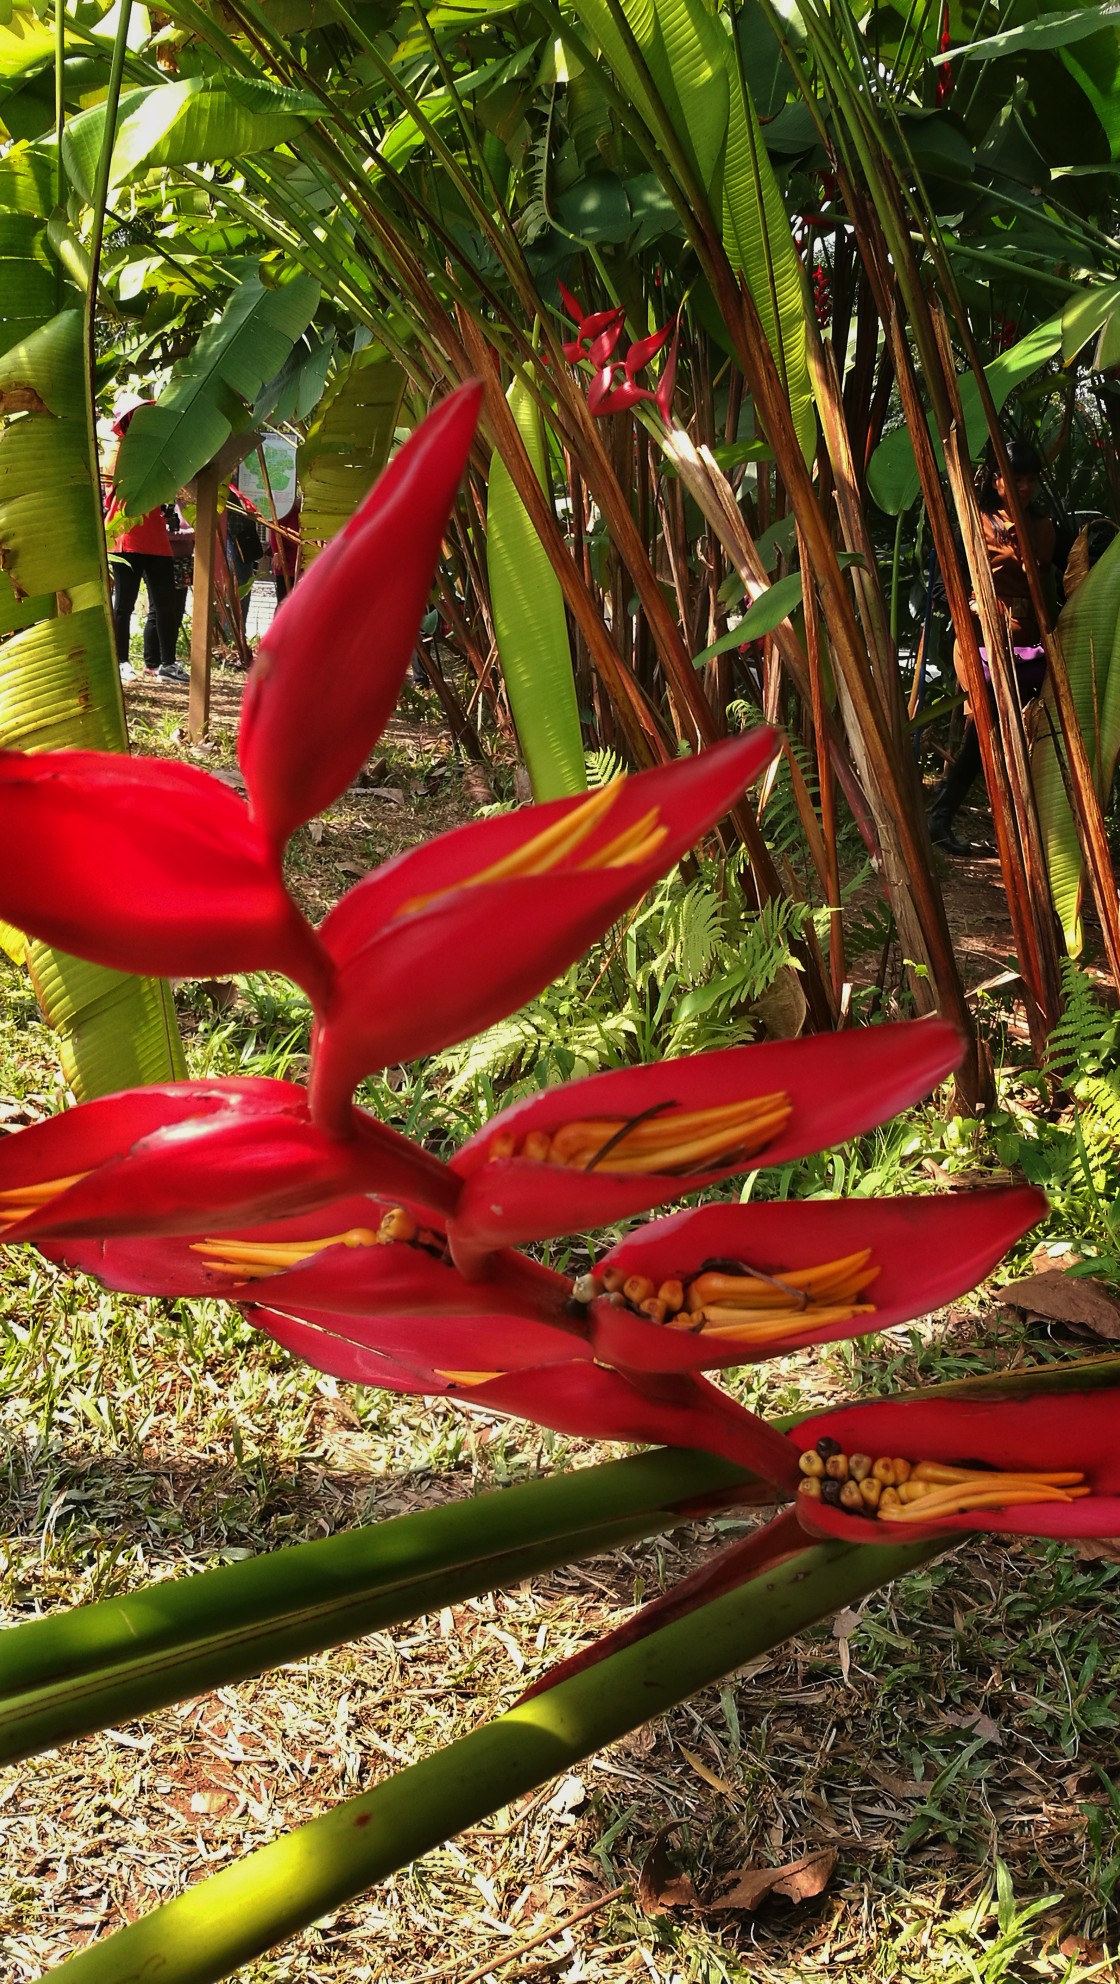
(229, 776)
(221, 992)
(977, 1724)
(1067, 1298)
(1103, 1547)
(709, 1776)
(798, 1880)
(661, 1883)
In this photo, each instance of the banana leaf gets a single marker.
(212, 390)
(193, 122)
(530, 624)
(59, 684)
(1089, 629)
(347, 445)
(27, 277)
(26, 43)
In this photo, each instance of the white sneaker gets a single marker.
(128, 673)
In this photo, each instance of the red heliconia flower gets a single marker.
(444, 940)
(195, 1157)
(1042, 1466)
(945, 78)
(591, 1152)
(327, 674)
(604, 397)
(786, 1275)
(158, 868)
(597, 333)
(358, 1283)
(597, 339)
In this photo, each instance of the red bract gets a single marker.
(193, 1164)
(446, 939)
(146, 866)
(327, 673)
(578, 1398)
(919, 1254)
(1074, 1433)
(798, 1096)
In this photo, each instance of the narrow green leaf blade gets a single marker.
(530, 623)
(1089, 629)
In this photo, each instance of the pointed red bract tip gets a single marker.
(428, 951)
(329, 669)
(146, 866)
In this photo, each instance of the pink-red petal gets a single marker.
(145, 866)
(168, 1264)
(643, 349)
(1057, 1430)
(80, 1139)
(329, 669)
(442, 1342)
(927, 1250)
(839, 1086)
(423, 957)
(234, 1168)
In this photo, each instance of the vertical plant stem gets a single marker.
(101, 178)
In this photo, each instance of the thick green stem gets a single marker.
(228, 1920)
(81, 1670)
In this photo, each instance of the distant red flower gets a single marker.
(597, 340)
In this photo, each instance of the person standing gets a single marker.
(181, 538)
(1013, 599)
(144, 555)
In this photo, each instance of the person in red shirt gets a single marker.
(145, 554)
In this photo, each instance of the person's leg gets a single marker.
(952, 791)
(151, 640)
(128, 569)
(163, 596)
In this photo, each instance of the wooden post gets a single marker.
(207, 485)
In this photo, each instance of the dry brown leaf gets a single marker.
(782, 1008)
(1067, 1298)
(1103, 1547)
(221, 992)
(977, 1723)
(709, 1776)
(798, 1880)
(662, 1884)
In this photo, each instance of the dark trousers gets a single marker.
(158, 574)
(967, 765)
(961, 775)
(152, 656)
